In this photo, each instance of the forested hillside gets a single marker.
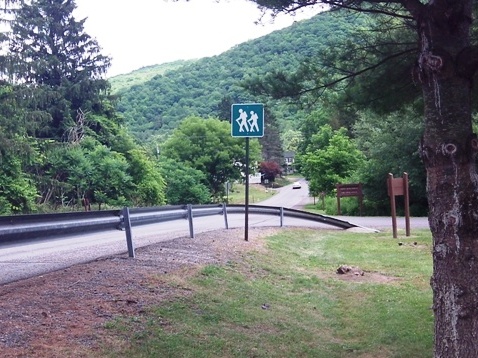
(208, 86)
(144, 74)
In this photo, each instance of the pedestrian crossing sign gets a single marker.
(247, 120)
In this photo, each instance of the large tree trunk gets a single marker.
(448, 150)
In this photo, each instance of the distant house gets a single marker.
(289, 158)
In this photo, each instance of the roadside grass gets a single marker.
(286, 300)
(313, 209)
(257, 193)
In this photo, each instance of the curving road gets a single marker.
(26, 259)
(297, 198)
(290, 198)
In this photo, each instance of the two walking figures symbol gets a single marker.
(248, 125)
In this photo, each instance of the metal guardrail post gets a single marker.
(224, 211)
(127, 226)
(190, 219)
(281, 216)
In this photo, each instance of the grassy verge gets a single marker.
(257, 193)
(287, 301)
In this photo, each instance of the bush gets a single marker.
(349, 206)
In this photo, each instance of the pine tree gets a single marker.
(49, 51)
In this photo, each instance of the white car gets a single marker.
(296, 185)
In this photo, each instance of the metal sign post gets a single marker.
(246, 222)
(247, 120)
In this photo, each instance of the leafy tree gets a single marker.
(17, 194)
(207, 145)
(270, 170)
(390, 145)
(309, 128)
(184, 185)
(67, 176)
(110, 180)
(148, 183)
(17, 150)
(89, 169)
(58, 92)
(291, 139)
(332, 160)
(446, 60)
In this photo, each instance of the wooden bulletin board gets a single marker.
(344, 190)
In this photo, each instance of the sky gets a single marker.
(148, 32)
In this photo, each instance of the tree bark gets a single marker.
(448, 150)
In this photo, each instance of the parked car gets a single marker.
(296, 185)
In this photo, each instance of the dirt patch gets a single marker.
(356, 274)
(63, 313)
(368, 277)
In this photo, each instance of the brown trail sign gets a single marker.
(344, 190)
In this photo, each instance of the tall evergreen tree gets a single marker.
(48, 49)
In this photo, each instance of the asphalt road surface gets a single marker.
(297, 198)
(25, 259)
(290, 198)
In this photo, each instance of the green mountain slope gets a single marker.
(144, 74)
(205, 87)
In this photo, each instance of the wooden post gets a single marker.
(399, 186)
(338, 202)
(391, 194)
(407, 203)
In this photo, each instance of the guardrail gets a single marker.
(21, 227)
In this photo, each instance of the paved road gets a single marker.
(297, 198)
(26, 259)
(290, 198)
(33, 258)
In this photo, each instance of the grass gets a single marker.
(257, 193)
(287, 301)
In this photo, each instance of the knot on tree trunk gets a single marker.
(450, 152)
(431, 63)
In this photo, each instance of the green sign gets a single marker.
(247, 120)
